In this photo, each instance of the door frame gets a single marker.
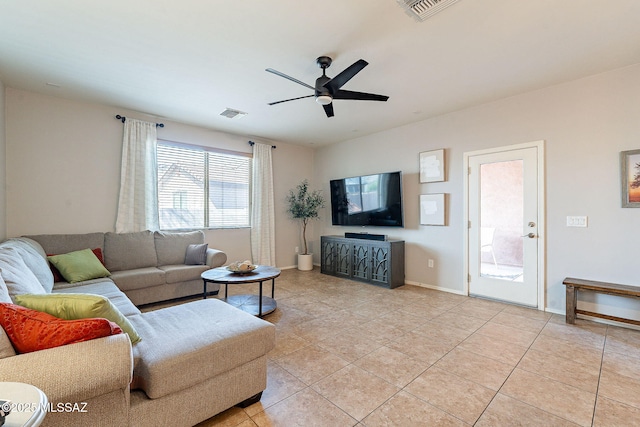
(542, 230)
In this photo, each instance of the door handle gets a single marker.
(530, 235)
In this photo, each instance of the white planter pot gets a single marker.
(305, 262)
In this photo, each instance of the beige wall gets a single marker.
(63, 161)
(585, 124)
(63, 170)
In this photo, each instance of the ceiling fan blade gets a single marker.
(328, 109)
(360, 96)
(278, 73)
(291, 99)
(338, 81)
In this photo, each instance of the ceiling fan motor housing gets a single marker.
(323, 94)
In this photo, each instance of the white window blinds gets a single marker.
(202, 188)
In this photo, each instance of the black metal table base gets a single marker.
(258, 305)
(252, 304)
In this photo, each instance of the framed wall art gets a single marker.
(630, 178)
(432, 166)
(432, 209)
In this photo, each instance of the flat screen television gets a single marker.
(367, 200)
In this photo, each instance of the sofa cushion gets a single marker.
(4, 292)
(200, 339)
(182, 272)
(6, 349)
(63, 243)
(78, 306)
(31, 330)
(15, 273)
(34, 257)
(138, 278)
(78, 266)
(106, 288)
(128, 251)
(172, 247)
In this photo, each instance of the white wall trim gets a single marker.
(435, 288)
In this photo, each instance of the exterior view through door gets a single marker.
(504, 205)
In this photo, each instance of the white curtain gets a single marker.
(263, 241)
(138, 201)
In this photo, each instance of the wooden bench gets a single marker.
(575, 285)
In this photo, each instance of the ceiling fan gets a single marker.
(327, 89)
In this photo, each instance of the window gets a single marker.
(202, 188)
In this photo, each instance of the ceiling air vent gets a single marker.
(230, 113)
(423, 9)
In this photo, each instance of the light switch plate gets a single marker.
(576, 221)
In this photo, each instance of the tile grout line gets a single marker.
(595, 402)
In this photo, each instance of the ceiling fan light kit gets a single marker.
(327, 89)
(324, 99)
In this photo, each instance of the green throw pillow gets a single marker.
(78, 306)
(79, 266)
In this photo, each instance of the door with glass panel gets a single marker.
(504, 225)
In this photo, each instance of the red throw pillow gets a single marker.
(31, 330)
(57, 276)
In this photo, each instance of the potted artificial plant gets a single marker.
(304, 206)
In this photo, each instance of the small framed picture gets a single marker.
(432, 209)
(432, 166)
(630, 178)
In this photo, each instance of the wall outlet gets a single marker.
(297, 249)
(576, 221)
(430, 263)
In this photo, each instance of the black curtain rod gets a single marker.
(123, 118)
(251, 143)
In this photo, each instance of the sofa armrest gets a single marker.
(216, 258)
(74, 372)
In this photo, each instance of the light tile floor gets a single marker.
(350, 353)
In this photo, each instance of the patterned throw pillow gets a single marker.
(31, 330)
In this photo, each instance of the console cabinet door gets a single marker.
(379, 259)
(361, 262)
(342, 259)
(327, 256)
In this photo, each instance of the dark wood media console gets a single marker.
(377, 262)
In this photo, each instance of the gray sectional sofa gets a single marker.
(193, 361)
(147, 266)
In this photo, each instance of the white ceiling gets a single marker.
(188, 60)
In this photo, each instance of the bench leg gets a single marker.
(572, 301)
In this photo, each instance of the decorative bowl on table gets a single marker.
(241, 267)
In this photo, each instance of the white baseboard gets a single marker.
(435, 288)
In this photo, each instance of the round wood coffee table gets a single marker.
(258, 305)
